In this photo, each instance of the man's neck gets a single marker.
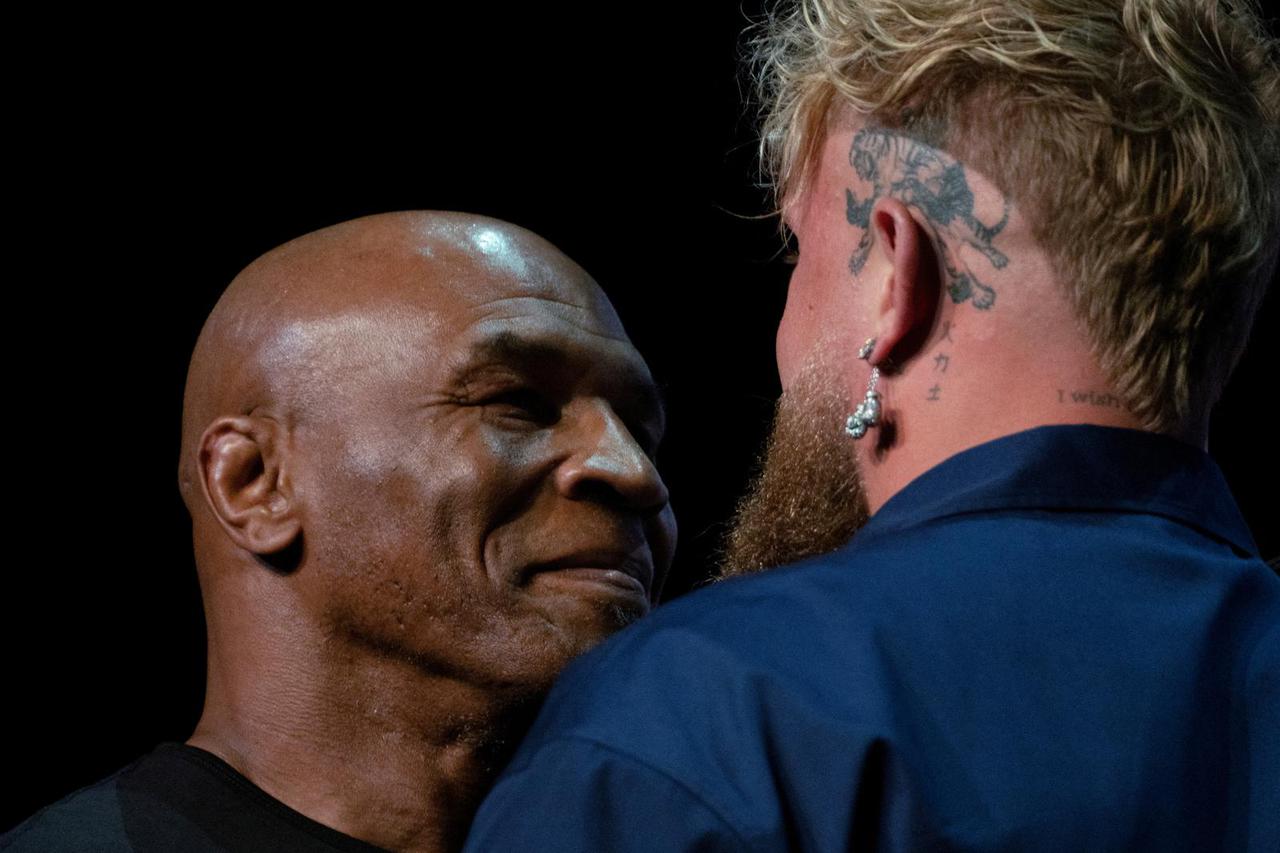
(960, 395)
(380, 752)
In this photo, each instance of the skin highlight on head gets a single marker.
(417, 451)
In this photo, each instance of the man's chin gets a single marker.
(807, 497)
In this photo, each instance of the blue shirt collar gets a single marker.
(1077, 467)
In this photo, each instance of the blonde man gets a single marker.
(1032, 236)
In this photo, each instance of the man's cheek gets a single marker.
(784, 344)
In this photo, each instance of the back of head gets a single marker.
(1141, 139)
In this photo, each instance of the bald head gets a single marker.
(310, 306)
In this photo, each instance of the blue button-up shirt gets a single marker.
(1059, 640)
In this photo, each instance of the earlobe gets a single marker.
(909, 295)
(242, 471)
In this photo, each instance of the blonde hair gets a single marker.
(1140, 139)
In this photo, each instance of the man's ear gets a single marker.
(242, 468)
(909, 296)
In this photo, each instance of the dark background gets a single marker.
(159, 168)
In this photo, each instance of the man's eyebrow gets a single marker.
(517, 349)
(509, 346)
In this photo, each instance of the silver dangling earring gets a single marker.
(868, 412)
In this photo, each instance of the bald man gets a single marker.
(417, 451)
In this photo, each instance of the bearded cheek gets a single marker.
(807, 498)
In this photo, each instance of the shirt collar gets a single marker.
(1077, 467)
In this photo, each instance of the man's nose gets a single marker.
(609, 465)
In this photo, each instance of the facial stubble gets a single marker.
(807, 497)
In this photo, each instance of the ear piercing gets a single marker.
(868, 412)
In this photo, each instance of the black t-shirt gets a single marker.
(177, 798)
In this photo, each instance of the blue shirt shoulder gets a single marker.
(1057, 640)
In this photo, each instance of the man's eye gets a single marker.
(523, 404)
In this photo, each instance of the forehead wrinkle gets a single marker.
(597, 309)
(549, 344)
(314, 357)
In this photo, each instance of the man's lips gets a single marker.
(630, 571)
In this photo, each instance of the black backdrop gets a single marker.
(163, 164)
